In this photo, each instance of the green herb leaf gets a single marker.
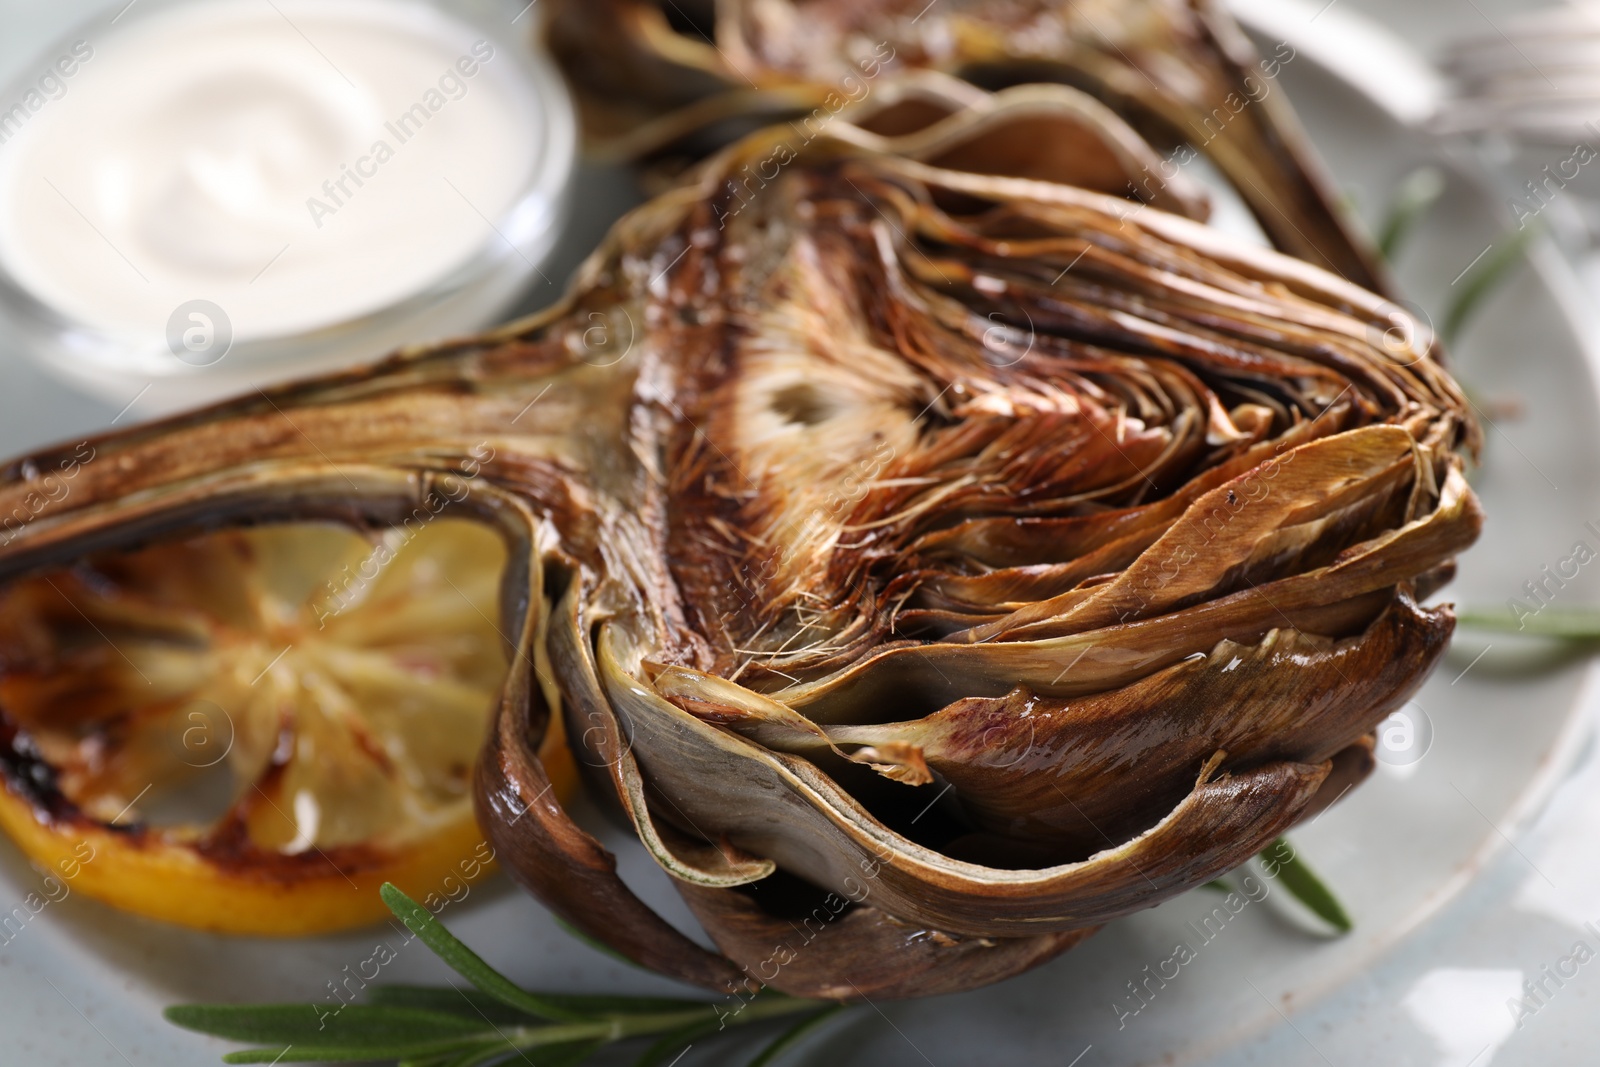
(474, 1003)
(467, 1057)
(1484, 278)
(603, 1004)
(311, 1024)
(1415, 197)
(472, 1057)
(570, 1055)
(341, 1053)
(466, 962)
(451, 1000)
(566, 1055)
(1304, 885)
(673, 1040)
(792, 1036)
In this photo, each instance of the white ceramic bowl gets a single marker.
(119, 363)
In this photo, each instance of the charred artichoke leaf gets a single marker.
(689, 859)
(843, 951)
(1045, 132)
(787, 809)
(752, 474)
(1039, 768)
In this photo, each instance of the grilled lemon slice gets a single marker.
(249, 731)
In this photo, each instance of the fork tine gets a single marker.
(1538, 75)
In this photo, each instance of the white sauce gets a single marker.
(297, 163)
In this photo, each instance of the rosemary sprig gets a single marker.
(1304, 885)
(1484, 278)
(492, 1022)
(1415, 197)
(1280, 861)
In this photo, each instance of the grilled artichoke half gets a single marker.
(653, 76)
(931, 565)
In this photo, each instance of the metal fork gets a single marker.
(1538, 78)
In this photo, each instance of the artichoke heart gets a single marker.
(931, 564)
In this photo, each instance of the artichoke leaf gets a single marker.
(608, 754)
(547, 852)
(771, 804)
(1241, 533)
(1090, 771)
(1104, 541)
(773, 724)
(691, 854)
(1346, 593)
(841, 950)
